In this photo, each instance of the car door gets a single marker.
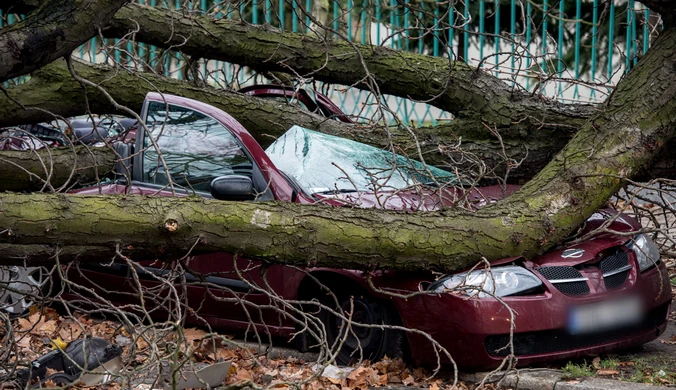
(195, 148)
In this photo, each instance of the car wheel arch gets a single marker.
(341, 283)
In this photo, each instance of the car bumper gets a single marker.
(476, 332)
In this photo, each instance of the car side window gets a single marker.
(195, 147)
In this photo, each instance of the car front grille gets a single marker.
(552, 341)
(568, 280)
(615, 269)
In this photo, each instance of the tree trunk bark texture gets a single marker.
(450, 85)
(52, 31)
(53, 169)
(638, 119)
(53, 91)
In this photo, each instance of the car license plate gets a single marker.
(606, 315)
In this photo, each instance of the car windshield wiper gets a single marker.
(337, 191)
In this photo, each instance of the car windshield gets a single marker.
(324, 163)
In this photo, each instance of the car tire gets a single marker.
(375, 343)
(22, 287)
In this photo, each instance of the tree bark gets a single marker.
(52, 31)
(55, 92)
(639, 118)
(51, 169)
(450, 85)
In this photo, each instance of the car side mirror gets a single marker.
(232, 187)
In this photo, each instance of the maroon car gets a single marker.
(599, 295)
(312, 101)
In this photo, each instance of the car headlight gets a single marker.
(499, 281)
(647, 253)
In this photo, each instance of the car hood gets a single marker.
(592, 249)
(419, 199)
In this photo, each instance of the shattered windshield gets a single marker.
(325, 163)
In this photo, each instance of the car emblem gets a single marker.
(572, 253)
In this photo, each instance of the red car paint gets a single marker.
(463, 326)
(320, 104)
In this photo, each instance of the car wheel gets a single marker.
(374, 342)
(21, 287)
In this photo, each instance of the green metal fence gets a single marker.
(571, 50)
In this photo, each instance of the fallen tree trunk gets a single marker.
(450, 85)
(50, 169)
(635, 123)
(55, 92)
(52, 31)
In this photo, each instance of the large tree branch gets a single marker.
(50, 169)
(637, 121)
(52, 31)
(54, 91)
(461, 89)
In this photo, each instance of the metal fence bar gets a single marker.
(611, 36)
(362, 18)
(529, 32)
(350, 7)
(646, 32)
(627, 42)
(559, 44)
(421, 30)
(482, 31)
(595, 21)
(578, 16)
(268, 12)
(281, 14)
(294, 15)
(545, 14)
(378, 18)
(436, 44)
(465, 34)
(406, 34)
(512, 33)
(497, 36)
(451, 31)
(634, 40)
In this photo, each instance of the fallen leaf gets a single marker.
(50, 313)
(225, 354)
(24, 341)
(70, 330)
(24, 324)
(394, 378)
(46, 328)
(193, 334)
(382, 380)
(597, 362)
(141, 343)
(607, 372)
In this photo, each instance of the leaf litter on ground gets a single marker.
(35, 335)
